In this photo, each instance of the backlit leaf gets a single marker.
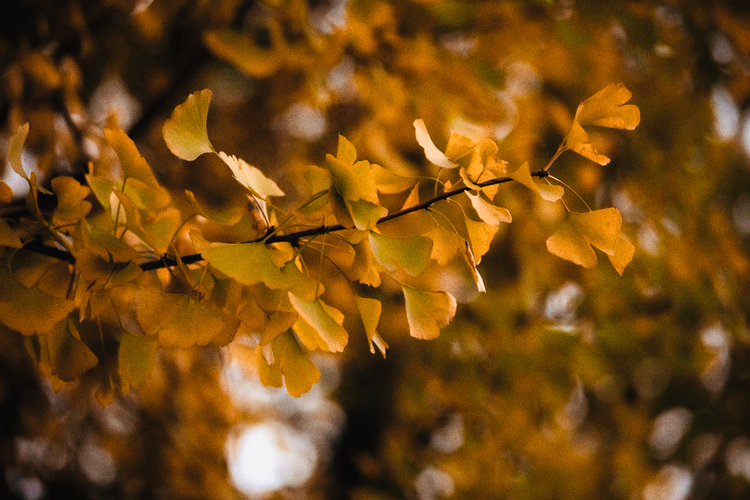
(227, 217)
(181, 322)
(433, 154)
(15, 153)
(299, 373)
(624, 251)
(410, 254)
(546, 191)
(134, 166)
(606, 109)
(69, 357)
(488, 212)
(480, 237)
(185, 131)
(581, 231)
(362, 268)
(250, 177)
(326, 321)
(135, 359)
(369, 310)
(240, 50)
(458, 145)
(428, 312)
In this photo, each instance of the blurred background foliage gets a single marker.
(560, 382)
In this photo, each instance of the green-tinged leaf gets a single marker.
(488, 212)
(369, 310)
(71, 204)
(69, 357)
(410, 254)
(299, 373)
(29, 310)
(146, 197)
(133, 165)
(227, 217)
(581, 231)
(480, 237)
(181, 322)
(157, 231)
(95, 241)
(251, 263)
(624, 251)
(241, 51)
(433, 154)
(428, 312)
(185, 131)
(326, 321)
(135, 359)
(346, 153)
(102, 188)
(250, 177)
(8, 237)
(546, 191)
(606, 109)
(388, 182)
(366, 214)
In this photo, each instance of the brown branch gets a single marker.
(292, 238)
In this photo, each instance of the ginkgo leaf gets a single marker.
(606, 109)
(8, 237)
(135, 359)
(469, 258)
(29, 310)
(428, 312)
(299, 373)
(488, 212)
(546, 191)
(251, 263)
(326, 321)
(15, 154)
(574, 239)
(134, 166)
(6, 194)
(251, 177)
(369, 310)
(185, 131)
(241, 51)
(389, 182)
(458, 145)
(410, 254)
(227, 217)
(69, 357)
(71, 204)
(578, 140)
(181, 322)
(433, 154)
(624, 251)
(480, 237)
(362, 268)
(157, 230)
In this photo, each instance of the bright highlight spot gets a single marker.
(266, 457)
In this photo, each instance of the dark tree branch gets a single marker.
(292, 238)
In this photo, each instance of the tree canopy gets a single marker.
(227, 227)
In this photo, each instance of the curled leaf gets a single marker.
(433, 154)
(325, 320)
(488, 212)
(185, 131)
(251, 177)
(428, 312)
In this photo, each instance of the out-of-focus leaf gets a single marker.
(29, 310)
(69, 357)
(8, 237)
(157, 231)
(181, 322)
(546, 191)
(135, 359)
(488, 212)
(427, 312)
(6, 194)
(185, 131)
(388, 182)
(410, 254)
(290, 361)
(581, 231)
(15, 152)
(227, 217)
(433, 154)
(240, 50)
(369, 310)
(250, 177)
(324, 319)
(71, 204)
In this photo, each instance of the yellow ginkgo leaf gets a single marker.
(488, 212)
(71, 204)
(324, 319)
(624, 251)
(458, 145)
(546, 191)
(433, 154)
(289, 361)
(410, 254)
(427, 312)
(135, 359)
(15, 153)
(185, 131)
(607, 108)
(574, 239)
(369, 310)
(469, 258)
(251, 177)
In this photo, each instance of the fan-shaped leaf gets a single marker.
(433, 154)
(290, 361)
(488, 212)
(574, 239)
(427, 312)
(410, 254)
(324, 319)
(185, 131)
(71, 205)
(135, 359)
